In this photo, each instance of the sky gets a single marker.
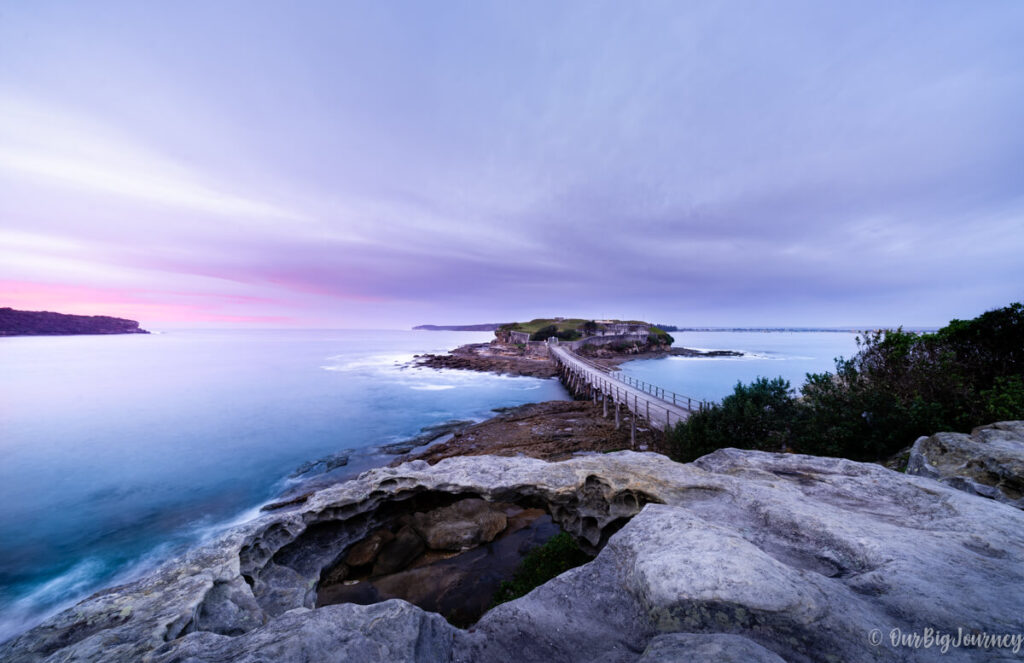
(386, 164)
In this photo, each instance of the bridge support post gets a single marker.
(632, 431)
(617, 423)
(604, 404)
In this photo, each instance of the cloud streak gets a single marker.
(338, 165)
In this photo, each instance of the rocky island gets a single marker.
(520, 348)
(46, 323)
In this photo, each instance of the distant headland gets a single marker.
(47, 323)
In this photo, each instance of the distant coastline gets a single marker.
(487, 326)
(838, 330)
(47, 323)
(492, 326)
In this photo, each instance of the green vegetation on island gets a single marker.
(571, 329)
(900, 385)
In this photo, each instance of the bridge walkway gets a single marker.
(662, 408)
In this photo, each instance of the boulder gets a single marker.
(988, 462)
(398, 553)
(460, 526)
(365, 552)
(388, 631)
(713, 648)
(742, 554)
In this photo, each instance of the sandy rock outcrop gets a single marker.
(741, 555)
(461, 526)
(988, 462)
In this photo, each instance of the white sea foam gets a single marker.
(370, 362)
(67, 589)
(432, 387)
(747, 356)
(50, 597)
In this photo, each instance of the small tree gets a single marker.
(761, 415)
(544, 333)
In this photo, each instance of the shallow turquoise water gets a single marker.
(117, 451)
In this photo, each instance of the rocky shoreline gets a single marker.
(507, 359)
(741, 555)
(552, 431)
(490, 358)
(738, 556)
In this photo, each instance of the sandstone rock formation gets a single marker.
(461, 526)
(988, 462)
(742, 555)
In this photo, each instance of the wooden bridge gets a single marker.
(661, 408)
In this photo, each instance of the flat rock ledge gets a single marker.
(739, 556)
(988, 462)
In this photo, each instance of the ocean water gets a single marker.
(766, 354)
(119, 451)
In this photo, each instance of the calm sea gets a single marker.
(766, 354)
(119, 451)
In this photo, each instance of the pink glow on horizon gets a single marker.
(126, 303)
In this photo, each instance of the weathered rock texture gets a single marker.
(461, 526)
(531, 361)
(552, 430)
(741, 555)
(988, 462)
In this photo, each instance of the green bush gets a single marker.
(760, 415)
(897, 387)
(1005, 400)
(544, 333)
(558, 555)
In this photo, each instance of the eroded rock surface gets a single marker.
(988, 462)
(742, 554)
(461, 526)
(552, 430)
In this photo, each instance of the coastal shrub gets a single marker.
(898, 386)
(1005, 400)
(544, 333)
(559, 554)
(662, 336)
(761, 415)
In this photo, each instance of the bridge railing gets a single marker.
(679, 400)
